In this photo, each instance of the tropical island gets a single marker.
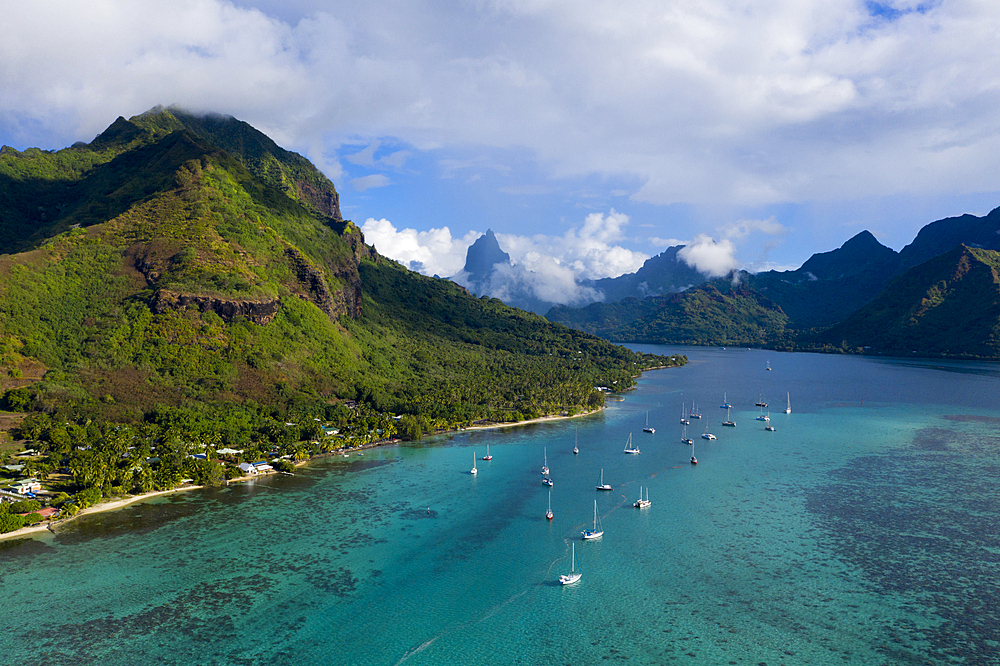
(182, 296)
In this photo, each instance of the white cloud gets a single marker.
(705, 254)
(591, 251)
(543, 278)
(547, 268)
(432, 252)
(743, 228)
(368, 182)
(665, 242)
(700, 101)
(366, 157)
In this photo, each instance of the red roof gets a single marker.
(47, 512)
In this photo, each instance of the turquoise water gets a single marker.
(862, 531)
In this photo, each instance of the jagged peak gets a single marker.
(483, 255)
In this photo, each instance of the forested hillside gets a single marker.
(947, 306)
(187, 280)
(717, 313)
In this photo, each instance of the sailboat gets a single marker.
(572, 576)
(487, 456)
(642, 503)
(597, 532)
(474, 470)
(768, 366)
(725, 402)
(693, 414)
(788, 409)
(548, 514)
(684, 436)
(646, 428)
(547, 481)
(576, 449)
(769, 427)
(707, 434)
(760, 401)
(628, 445)
(545, 462)
(694, 461)
(762, 417)
(729, 422)
(602, 485)
(684, 418)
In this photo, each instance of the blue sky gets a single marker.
(588, 135)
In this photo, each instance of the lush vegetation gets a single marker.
(948, 306)
(193, 289)
(716, 313)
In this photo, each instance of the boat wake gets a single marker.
(417, 650)
(489, 613)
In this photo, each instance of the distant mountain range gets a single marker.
(850, 298)
(489, 270)
(948, 305)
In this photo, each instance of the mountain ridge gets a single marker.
(946, 306)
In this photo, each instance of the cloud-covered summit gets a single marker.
(538, 269)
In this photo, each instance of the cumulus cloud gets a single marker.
(592, 251)
(699, 101)
(709, 256)
(543, 267)
(540, 278)
(433, 252)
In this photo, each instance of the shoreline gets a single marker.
(539, 419)
(109, 505)
(114, 504)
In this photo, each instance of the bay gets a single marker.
(863, 530)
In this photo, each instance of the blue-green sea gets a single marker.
(863, 530)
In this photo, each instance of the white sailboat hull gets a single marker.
(567, 579)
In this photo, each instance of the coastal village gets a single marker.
(35, 495)
(29, 503)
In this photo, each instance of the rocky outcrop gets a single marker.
(312, 282)
(327, 202)
(259, 312)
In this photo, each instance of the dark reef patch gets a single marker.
(922, 523)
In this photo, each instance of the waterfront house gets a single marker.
(259, 467)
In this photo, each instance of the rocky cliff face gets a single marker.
(259, 312)
(326, 202)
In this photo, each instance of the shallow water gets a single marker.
(862, 531)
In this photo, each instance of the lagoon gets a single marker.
(863, 530)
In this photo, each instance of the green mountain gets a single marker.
(946, 306)
(766, 308)
(182, 262)
(943, 235)
(830, 285)
(717, 312)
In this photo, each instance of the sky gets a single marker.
(588, 135)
